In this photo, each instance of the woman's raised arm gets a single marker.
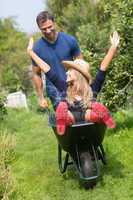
(44, 66)
(111, 52)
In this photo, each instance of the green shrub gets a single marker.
(7, 144)
(3, 110)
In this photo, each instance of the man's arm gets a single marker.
(37, 81)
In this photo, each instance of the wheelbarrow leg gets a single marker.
(63, 165)
(102, 154)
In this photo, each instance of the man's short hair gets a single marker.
(43, 17)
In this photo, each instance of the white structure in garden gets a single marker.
(17, 100)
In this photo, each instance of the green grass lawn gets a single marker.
(35, 168)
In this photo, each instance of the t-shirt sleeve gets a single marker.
(98, 82)
(75, 51)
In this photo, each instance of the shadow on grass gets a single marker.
(114, 170)
(70, 173)
(114, 167)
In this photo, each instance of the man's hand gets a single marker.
(43, 103)
(30, 45)
(115, 39)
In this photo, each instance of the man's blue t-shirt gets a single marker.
(64, 48)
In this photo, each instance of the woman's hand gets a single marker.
(30, 45)
(115, 39)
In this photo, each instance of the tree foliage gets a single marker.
(13, 58)
(92, 22)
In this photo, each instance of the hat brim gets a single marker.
(71, 65)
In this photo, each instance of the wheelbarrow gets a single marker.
(82, 143)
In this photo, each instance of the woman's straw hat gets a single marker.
(79, 65)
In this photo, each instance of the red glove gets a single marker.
(99, 113)
(62, 118)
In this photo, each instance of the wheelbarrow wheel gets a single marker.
(87, 169)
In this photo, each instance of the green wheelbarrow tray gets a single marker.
(82, 142)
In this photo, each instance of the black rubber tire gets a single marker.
(87, 169)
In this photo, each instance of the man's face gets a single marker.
(48, 30)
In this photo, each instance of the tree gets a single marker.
(13, 57)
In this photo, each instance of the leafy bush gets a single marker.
(118, 14)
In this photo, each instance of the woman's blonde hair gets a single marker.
(80, 87)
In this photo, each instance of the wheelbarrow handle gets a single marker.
(51, 117)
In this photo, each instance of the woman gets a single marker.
(81, 104)
(81, 91)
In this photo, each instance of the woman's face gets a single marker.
(71, 77)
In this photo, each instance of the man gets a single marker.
(53, 47)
